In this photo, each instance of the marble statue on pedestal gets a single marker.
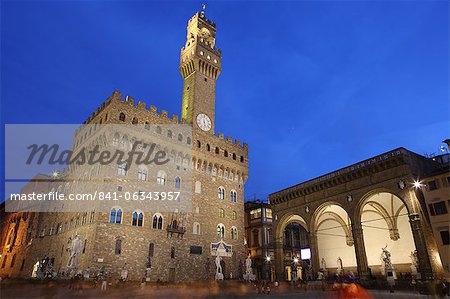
(249, 276)
(75, 250)
(323, 264)
(219, 273)
(340, 268)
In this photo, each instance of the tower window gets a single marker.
(208, 147)
(206, 80)
(217, 150)
(134, 121)
(234, 156)
(122, 116)
(199, 144)
(225, 153)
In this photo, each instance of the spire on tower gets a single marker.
(203, 9)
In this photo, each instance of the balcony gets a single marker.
(179, 230)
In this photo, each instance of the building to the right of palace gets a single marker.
(397, 201)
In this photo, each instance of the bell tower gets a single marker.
(200, 65)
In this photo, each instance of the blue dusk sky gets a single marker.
(311, 86)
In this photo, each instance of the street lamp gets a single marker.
(417, 184)
(268, 258)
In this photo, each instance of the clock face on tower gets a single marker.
(204, 122)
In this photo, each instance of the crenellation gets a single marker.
(142, 105)
(164, 113)
(129, 100)
(153, 109)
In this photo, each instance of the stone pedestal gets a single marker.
(219, 276)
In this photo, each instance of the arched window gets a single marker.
(234, 233)
(221, 230)
(234, 215)
(116, 139)
(157, 221)
(242, 158)
(142, 173)
(177, 182)
(198, 187)
(225, 153)
(208, 147)
(122, 116)
(169, 133)
(221, 213)
(158, 130)
(124, 141)
(234, 156)
(115, 215)
(217, 150)
(233, 196)
(196, 228)
(134, 121)
(221, 192)
(122, 168)
(161, 178)
(118, 249)
(180, 137)
(199, 144)
(188, 140)
(138, 218)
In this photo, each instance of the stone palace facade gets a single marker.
(170, 246)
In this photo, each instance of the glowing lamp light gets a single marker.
(54, 174)
(417, 184)
(268, 258)
(295, 260)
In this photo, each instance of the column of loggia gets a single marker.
(360, 251)
(279, 260)
(314, 251)
(425, 268)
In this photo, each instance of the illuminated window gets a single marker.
(256, 213)
(161, 178)
(269, 213)
(221, 193)
(234, 233)
(142, 173)
(122, 169)
(221, 231)
(234, 215)
(221, 213)
(233, 196)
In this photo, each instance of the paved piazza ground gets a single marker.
(206, 290)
